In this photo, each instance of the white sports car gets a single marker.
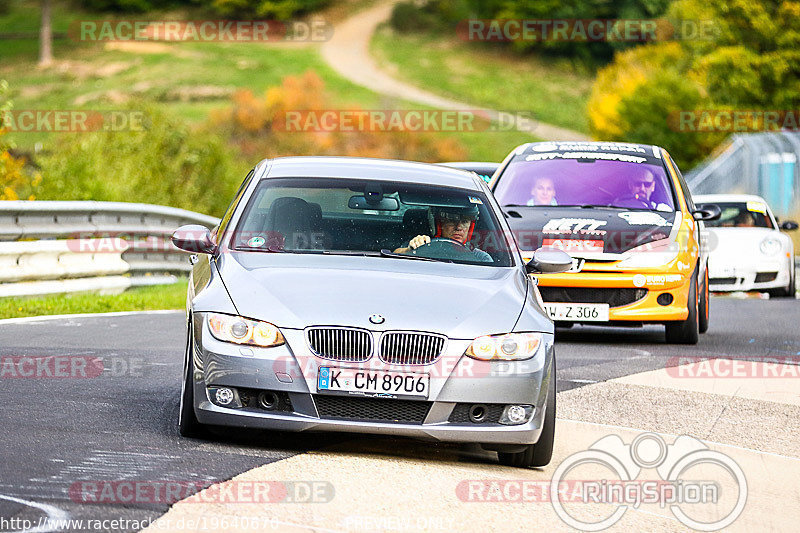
(748, 252)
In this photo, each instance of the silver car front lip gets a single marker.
(490, 383)
(208, 413)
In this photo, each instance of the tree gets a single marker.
(748, 61)
(46, 36)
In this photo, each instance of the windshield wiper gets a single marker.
(580, 206)
(268, 249)
(593, 206)
(362, 253)
(388, 253)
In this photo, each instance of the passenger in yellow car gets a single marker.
(543, 192)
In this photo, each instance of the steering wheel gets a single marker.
(631, 201)
(442, 248)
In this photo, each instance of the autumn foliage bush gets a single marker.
(254, 123)
(166, 162)
(16, 180)
(749, 62)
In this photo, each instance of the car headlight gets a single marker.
(505, 347)
(240, 330)
(651, 255)
(770, 246)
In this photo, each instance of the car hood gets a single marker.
(300, 290)
(618, 230)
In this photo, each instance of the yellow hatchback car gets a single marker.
(624, 213)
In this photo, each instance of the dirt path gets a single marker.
(348, 54)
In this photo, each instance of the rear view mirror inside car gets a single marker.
(384, 204)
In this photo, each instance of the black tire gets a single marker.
(686, 331)
(704, 305)
(539, 454)
(188, 425)
(789, 291)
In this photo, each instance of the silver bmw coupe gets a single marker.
(368, 295)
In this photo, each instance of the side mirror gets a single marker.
(706, 212)
(193, 238)
(548, 260)
(789, 225)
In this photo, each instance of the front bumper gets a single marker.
(768, 274)
(644, 310)
(292, 369)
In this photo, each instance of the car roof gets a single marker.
(711, 198)
(467, 165)
(370, 168)
(649, 151)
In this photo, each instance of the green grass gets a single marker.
(152, 76)
(92, 76)
(136, 299)
(489, 76)
(23, 17)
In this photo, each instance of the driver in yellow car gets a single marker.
(641, 188)
(450, 223)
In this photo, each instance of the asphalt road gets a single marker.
(121, 424)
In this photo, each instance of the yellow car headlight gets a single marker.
(650, 255)
(505, 347)
(240, 330)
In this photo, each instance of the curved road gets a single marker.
(347, 52)
(120, 424)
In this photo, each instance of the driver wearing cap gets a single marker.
(451, 223)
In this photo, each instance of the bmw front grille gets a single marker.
(357, 345)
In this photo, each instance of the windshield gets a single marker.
(741, 215)
(376, 218)
(585, 182)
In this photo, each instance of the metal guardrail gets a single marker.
(765, 164)
(57, 247)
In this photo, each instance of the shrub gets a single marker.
(620, 79)
(166, 163)
(409, 17)
(280, 9)
(254, 124)
(128, 6)
(420, 15)
(16, 180)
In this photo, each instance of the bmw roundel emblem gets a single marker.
(377, 319)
